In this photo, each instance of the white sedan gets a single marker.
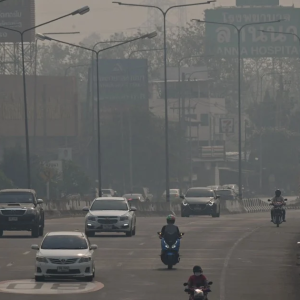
(110, 214)
(65, 254)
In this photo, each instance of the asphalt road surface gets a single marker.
(245, 255)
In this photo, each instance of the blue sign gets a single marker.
(123, 81)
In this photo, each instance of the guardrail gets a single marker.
(74, 207)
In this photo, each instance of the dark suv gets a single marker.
(200, 201)
(21, 210)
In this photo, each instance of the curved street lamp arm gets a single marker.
(139, 5)
(185, 5)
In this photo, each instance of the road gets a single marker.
(245, 256)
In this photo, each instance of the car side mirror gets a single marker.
(40, 201)
(86, 209)
(218, 197)
(182, 196)
(285, 200)
(93, 247)
(132, 208)
(35, 247)
(269, 200)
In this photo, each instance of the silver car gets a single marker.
(110, 214)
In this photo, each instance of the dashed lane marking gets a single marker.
(27, 252)
(9, 265)
(29, 286)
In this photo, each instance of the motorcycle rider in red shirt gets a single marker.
(198, 279)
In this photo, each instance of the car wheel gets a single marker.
(1, 232)
(35, 230)
(133, 232)
(129, 233)
(41, 230)
(90, 233)
(39, 278)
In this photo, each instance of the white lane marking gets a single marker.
(27, 252)
(9, 265)
(226, 262)
(141, 244)
(119, 265)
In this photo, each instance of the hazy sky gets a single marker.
(106, 18)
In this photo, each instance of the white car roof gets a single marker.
(110, 198)
(76, 233)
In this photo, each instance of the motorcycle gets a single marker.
(170, 251)
(278, 212)
(198, 292)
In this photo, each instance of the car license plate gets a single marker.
(63, 269)
(107, 226)
(12, 219)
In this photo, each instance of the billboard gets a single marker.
(56, 106)
(18, 15)
(222, 40)
(123, 82)
(257, 2)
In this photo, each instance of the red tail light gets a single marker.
(130, 199)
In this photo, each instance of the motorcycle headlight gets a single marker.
(91, 218)
(85, 259)
(174, 246)
(166, 245)
(41, 259)
(124, 218)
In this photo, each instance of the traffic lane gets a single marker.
(134, 264)
(263, 264)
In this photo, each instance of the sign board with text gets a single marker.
(18, 15)
(257, 2)
(226, 125)
(222, 40)
(123, 82)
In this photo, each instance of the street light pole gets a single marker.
(149, 35)
(238, 29)
(164, 13)
(80, 11)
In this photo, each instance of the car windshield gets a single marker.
(199, 193)
(129, 196)
(222, 192)
(106, 192)
(70, 242)
(109, 205)
(16, 198)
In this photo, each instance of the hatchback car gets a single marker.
(64, 254)
(200, 201)
(110, 214)
(227, 194)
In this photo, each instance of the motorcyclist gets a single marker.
(170, 228)
(170, 232)
(278, 198)
(197, 280)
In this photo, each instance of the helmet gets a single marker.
(170, 219)
(278, 193)
(197, 269)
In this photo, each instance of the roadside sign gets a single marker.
(51, 170)
(222, 40)
(226, 125)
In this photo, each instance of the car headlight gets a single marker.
(85, 259)
(124, 218)
(211, 203)
(31, 211)
(184, 202)
(91, 218)
(41, 259)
